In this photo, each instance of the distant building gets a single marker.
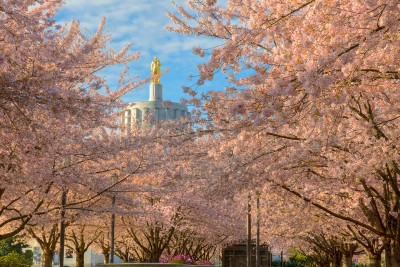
(235, 255)
(91, 258)
(154, 110)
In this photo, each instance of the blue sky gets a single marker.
(142, 22)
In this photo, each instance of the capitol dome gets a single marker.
(155, 109)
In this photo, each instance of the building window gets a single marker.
(129, 120)
(161, 114)
(139, 116)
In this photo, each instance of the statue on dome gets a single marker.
(155, 70)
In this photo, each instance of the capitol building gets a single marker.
(154, 110)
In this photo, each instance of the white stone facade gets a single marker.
(153, 110)
(91, 258)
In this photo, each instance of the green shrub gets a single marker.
(174, 260)
(11, 244)
(276, 263)
(28, 255)
(300, 259)
(14, 259)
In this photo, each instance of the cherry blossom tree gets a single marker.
(103, 245)
(47, 237)
(79, 241)
(314, 109)
(56, 110)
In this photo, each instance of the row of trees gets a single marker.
(54, 115)
(138, 238)
(311, 125)
(312, 121)
(60, 136)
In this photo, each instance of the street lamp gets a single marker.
(249, 231)
(114, 179)
(258, 260)
(62, 226)
(62, 223)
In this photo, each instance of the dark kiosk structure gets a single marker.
(235, 256)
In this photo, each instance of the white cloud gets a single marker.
(141, 22)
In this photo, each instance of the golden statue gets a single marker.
(155, 70)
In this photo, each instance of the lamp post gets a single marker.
(62, 223)
(249, 231)
(113, 181)
(62, 226)
(258, 260)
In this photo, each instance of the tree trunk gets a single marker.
(47, 258)
(395, 254)
(336, 259)
(374, 260)
(106, 254)
(155, 256)
(80, 259)
(335, 264)
(388, 256)
(347, 260)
